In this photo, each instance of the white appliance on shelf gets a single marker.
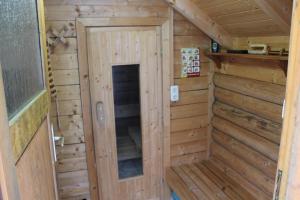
(260, 49)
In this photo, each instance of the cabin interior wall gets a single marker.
(190, 117)
(274, 42)
(66, 114)
(247, 121)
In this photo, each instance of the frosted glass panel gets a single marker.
(20, 55)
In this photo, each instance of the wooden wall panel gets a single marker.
(247, 123)
(274, 42)
(71, 12)
(256, 70)
(189, 116)
(253, 105)
(241, 18)
(35, 168)
(258, 89)
(66, 115)
(263, 127)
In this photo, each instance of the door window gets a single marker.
(20, 53)
(126, 91)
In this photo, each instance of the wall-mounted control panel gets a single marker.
(174, 93)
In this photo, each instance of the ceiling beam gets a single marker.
(200, 19)
(280, 11)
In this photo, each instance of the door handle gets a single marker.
(60, 139)
(54, 140)
(53, 143)
(100, 112)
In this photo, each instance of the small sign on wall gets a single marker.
(190, 59)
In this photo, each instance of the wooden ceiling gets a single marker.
(223, 20)
(241, 17)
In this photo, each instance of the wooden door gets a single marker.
(26, 149)
(26, 162)
(126, 48)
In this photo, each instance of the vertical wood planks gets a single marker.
(189, 116)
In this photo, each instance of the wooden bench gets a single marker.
(209, 180)
(135, 134)
(127, 149)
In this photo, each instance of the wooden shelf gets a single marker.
(218, 58)
(249, 56)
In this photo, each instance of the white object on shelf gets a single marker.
(174, 93)
(260, 49)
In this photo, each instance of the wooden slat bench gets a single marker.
(208, 180)
(127, 149)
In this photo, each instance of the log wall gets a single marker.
(247, 123)
(189, 116)
(189, 121)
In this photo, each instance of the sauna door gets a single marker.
(126, 98)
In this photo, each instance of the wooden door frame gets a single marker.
(167, 73)
(287, 186)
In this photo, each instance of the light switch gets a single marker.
(174, 93)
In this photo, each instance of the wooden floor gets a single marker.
(205, 181)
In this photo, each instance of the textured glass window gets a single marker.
(20, 54)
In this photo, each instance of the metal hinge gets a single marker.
(278, 183)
